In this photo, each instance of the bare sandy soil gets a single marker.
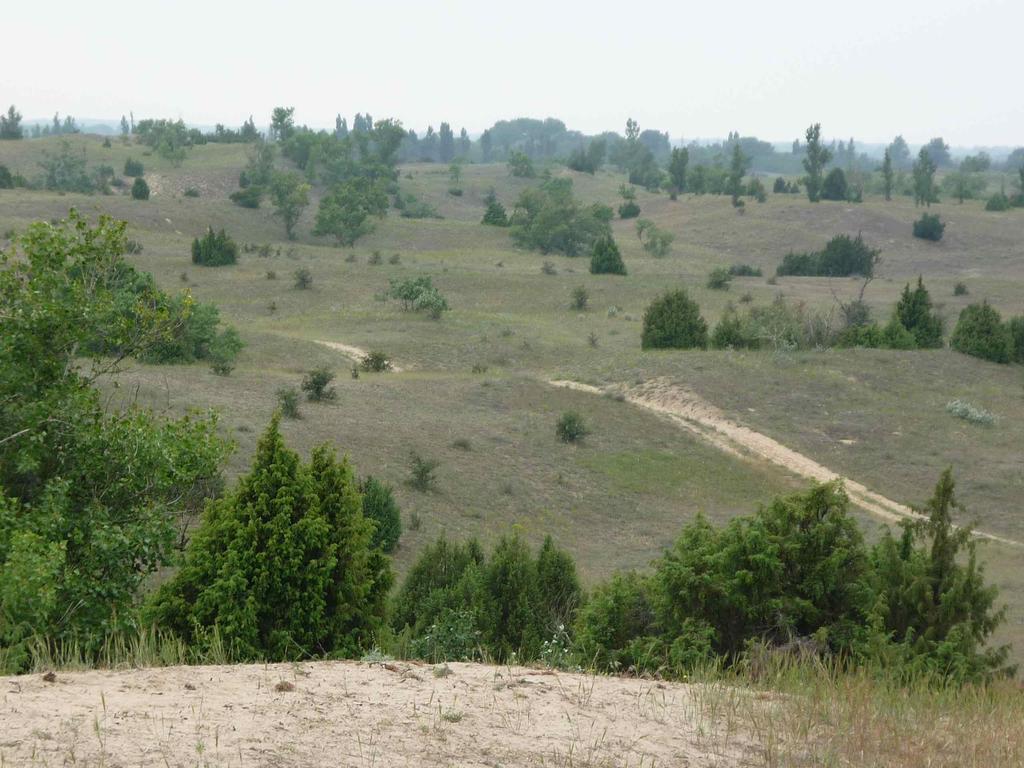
(364, 714)
(692, 413)
(355, 354)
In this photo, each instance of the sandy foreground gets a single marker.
(362, 714)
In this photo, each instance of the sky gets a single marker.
(867, 69)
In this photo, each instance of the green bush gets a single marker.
(316, 384)
(719, 279)
(520, 165)
(960, 289)
(250, 197)
(288, 401)
(140, 189)
(422, 471)
(674, 321)
(495, 214)
(1016, 327)
(605, 259)
(980, 332)
(133, 168)
(281, 567)
(998, 202)
(303, 279)
(629, 210)
(835, 187)
(214, 249)
(580, 298)
(6, 179)
(570, 427)
(375, 361)
(915, 313)
(619, 612)
(379, 505)
(842, 256)
(929, 227)
(457, 604)
(191, 192)
(744, 270)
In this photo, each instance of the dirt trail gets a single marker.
(355, 353)
(694, 414)
(321, 714)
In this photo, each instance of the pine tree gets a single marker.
(606, 259)
(914, 312)
(282, 566)
(379, 505)
(558, 586)
(932, 596)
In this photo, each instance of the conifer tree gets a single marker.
(282, 566)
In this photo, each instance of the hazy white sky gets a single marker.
(868, 69)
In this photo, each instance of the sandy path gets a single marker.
(355, 353)
(694, 414)
(360, 714)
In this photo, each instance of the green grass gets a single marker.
(620, 496)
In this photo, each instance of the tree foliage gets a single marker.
(88, 497)
(282, 566)
(674, 321)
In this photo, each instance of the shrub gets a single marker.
(249, 197)
(960, 289)
(914, 312)
(133, 168)
(282, 566)
(629, 210)
(133, 247)
(998, 202)
(835, 187)
(674, 321)
(606, 259)
(316, 384)
(842, 256)
(191, 192)
(379, 505)
(303, 279)
(570, 427)
(140, 189)
(288, 401)
(964, 410)
(744, 270)
(548, 268)
(495, 214)
(580, 298)
(214, 249)
(375, 361)
(223, 351)
(1016, 329)
(421, 472)
(719, 279)
(6, 179)
(980, 332)
(929, 227)
(618, 612)
(418, 294)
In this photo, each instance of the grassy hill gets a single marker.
(472, 394)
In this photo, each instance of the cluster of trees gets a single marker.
(291, 562)
(797, 569)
